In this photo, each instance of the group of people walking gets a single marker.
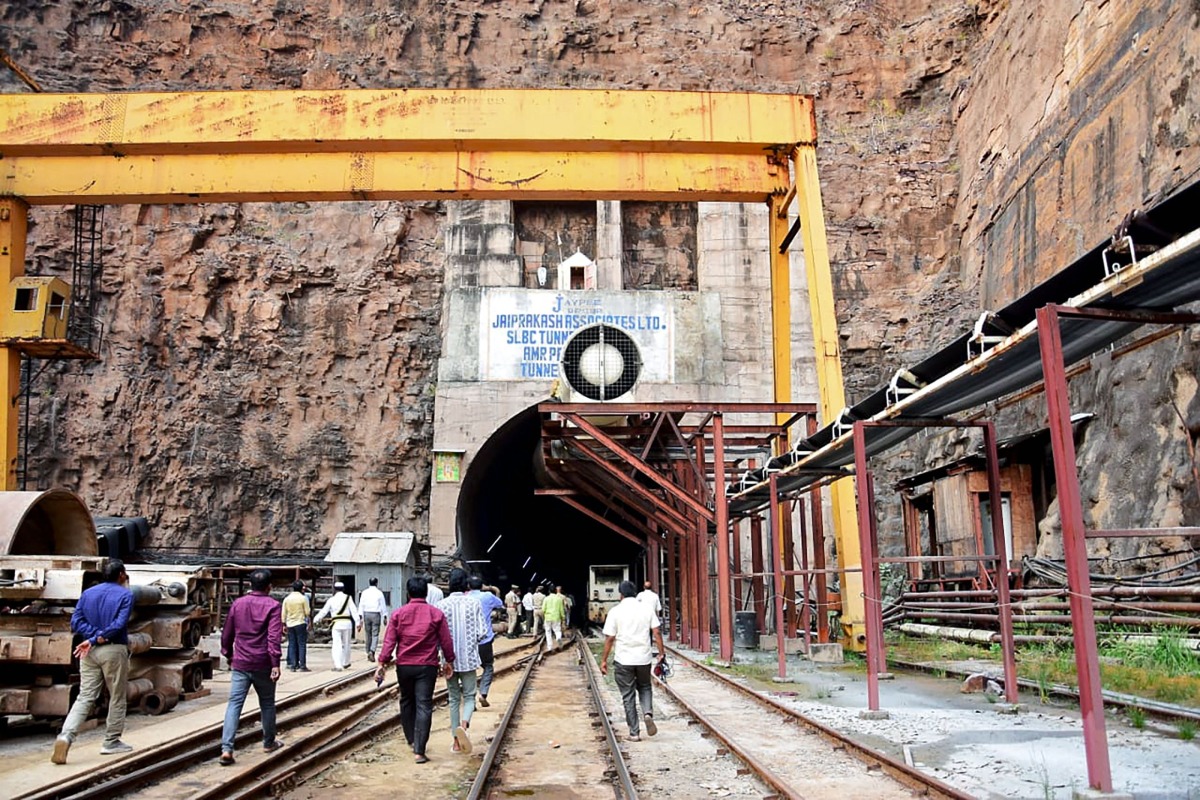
(538, 613)
(430, 635)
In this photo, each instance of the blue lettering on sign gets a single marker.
(541, 336)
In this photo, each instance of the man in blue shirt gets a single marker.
(101, 617)
(490, 602)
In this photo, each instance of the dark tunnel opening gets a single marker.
(511, 536)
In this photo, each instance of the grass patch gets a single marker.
(1157, 666)
(1187, 730)
(1137, 717)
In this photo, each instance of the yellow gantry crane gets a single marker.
(420, 144)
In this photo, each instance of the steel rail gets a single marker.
(625, 791)
(157, 762)
(489, 758)
(151, 760)
(897, 770)
(589, 665)
(273, 774)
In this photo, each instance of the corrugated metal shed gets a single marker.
(371, 547)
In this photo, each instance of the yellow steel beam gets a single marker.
(781, 302)
(402, 120)
(14, 219)
(103, 179)
(829, 383)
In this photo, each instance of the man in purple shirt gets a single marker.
(101, 617)
(416, 631)
(250, 641)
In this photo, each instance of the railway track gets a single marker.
(793, 754)
(553, 738)
(319, 726)
(585, 759)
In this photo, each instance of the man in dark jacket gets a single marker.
(250, 641)
(416, 632)
(101, 617)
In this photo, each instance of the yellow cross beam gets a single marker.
(449, 144)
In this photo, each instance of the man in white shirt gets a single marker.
(627, 631)
(468, 628)
(650, 598)
(341, 609)
(374, 608)
(527, 604)
(436, 595)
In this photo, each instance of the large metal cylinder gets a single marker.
(51, 523)
(140, 643)
(159, 701)
(136, 689)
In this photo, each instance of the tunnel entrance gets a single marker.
(510, 536)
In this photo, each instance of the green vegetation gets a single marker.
(1187, 730)
(1158, 666)
(1137, 717)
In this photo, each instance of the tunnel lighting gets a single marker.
(533, 578)
(526, 564)
(493, 544)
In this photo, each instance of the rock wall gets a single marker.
(268, 370)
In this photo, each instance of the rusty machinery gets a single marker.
(38, 591)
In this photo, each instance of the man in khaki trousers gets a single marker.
(101, 617)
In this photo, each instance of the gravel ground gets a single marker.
(961, 739)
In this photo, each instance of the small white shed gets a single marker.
(358, 556)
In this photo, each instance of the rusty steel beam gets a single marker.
(1062, 441)
(721, 515)
(612, 526)
(619, 409)
(646, 470)
(1002, 564)
(618, 503)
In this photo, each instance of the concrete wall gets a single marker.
(720, 335)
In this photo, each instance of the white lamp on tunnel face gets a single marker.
(602, 364)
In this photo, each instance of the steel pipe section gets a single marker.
(49, 523)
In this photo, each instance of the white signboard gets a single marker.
(523, 331)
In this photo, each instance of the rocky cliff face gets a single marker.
(268, 370)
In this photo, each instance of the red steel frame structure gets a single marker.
(666, 482)
(1075, 534)
(869, 542)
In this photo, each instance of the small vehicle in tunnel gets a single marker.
(603, 581)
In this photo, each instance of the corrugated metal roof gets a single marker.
(371, 547)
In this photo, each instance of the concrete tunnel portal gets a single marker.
(509, 535)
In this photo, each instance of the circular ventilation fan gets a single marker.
(601, 362)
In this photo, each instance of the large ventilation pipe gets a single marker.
(50, 523)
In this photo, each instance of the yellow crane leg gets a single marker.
(14, 222)
(830, 386)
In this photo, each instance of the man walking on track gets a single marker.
(340, 607)
(553, 611)
(650, 598)
(489, 602)
(416, 632)
(297, 619)
(467, 629)
(512, 606)
(250, 641)
(101, 618)
(539, 620)
(373, 606)
(627, 630)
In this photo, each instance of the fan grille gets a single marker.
(601, 362)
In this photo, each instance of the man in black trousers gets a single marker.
(415, 633)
